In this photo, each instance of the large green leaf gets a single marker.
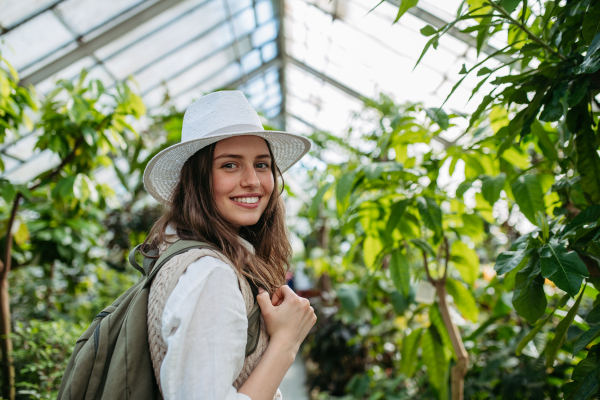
(438, 116)
(430, 213)
(465, 261)
(344, 186)
(318, 199)
(529, 298)
(463, 299)
(586, 338)
(591, 24)
(509, 260)
(400, 272)
(350, 296)
(491, 186)
(588, 164)
(396, 213)
(410, 345)
(563, 267)
(539, 325)
(561, 333)
(371, 248)
(435, 317)
(435, 360)
(529, 196)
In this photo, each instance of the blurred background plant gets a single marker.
(443, 269)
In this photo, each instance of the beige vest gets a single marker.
(161, 289)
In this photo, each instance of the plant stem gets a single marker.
(531, 35)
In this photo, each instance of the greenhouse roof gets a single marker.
(304, 65)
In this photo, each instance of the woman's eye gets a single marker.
(229, 165)
(262, 165)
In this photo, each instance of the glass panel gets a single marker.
(68, 73)
(171, 15)
(36, 165)
(251, 61)
(237, 5)
(153, 48)
(14, 11)
(244, 22)
(84, 16)
(31, 41)
(264, 11)
(269, 51)
(264, 33)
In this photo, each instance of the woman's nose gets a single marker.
(250, 179)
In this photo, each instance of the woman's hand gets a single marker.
(290, 319)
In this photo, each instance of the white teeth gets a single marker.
(248, 200)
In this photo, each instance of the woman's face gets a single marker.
(242, 179)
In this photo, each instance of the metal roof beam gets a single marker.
(88, 48)
(283, 56)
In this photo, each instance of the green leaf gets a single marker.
(410, 345)
(371, 249)
(430, 212)
(577, 92)
(466, 261)
(484, 71)
(563, 267)
(593, 316)
(428, 31)
(314, 207)
(561, 333)
(487, 99)
(400, 272)
(542, 223)
(510, 5)
(463, 299)
(588, 164)
(509, 260)
(396, 213)
(529, 196)
(350, 296)
(436, 319)
(423, 245)
(344, 186)
(539, 325)
(463, 187)
(433, 41)
(399, 302)
(435, 360)
(8, 193)
(404, 6)
(529, 298)
(373, 171)
(463, 70)
(591, 24)
(492, 186)
(586, 338)
(438, 116)
(588, 387)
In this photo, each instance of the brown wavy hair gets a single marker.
(192, 211)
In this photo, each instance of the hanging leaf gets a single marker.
(593, 316)
(431, 214)
(539, 325)
(463, 187)
(371, 249)
(344, 186)
(400, 272)
(464, 300)
(508, 260)
(318, 199)
(588, 164)
(492, 186)
(586, 338)
(465, 261)
(561, 333)
(396, 213)
(563, 267)
(410, 345)
(529, 298)
(435, 360)
(529, 196)
(591, 24)
(404, 6)
(439, 117)
(428, 30)
(510, 5)
(423, 245)
(350, 296)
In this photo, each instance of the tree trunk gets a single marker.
(462, 358)
(8, 368)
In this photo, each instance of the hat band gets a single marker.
(231, 129)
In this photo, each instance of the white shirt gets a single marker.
(205, 325)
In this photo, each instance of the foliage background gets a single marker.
(504, 221)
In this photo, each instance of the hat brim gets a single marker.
(162, 172)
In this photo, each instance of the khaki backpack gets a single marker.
(111, 360)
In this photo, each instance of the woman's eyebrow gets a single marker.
(238, 156)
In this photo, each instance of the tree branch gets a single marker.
(446, 259)
(63, 163)
(426, 265)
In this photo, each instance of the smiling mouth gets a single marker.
(246, 200)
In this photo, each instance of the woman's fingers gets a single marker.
(277, 298)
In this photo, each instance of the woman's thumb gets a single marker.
(263, 299)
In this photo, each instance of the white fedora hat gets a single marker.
(213, 117)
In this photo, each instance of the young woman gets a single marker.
(222, 185)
